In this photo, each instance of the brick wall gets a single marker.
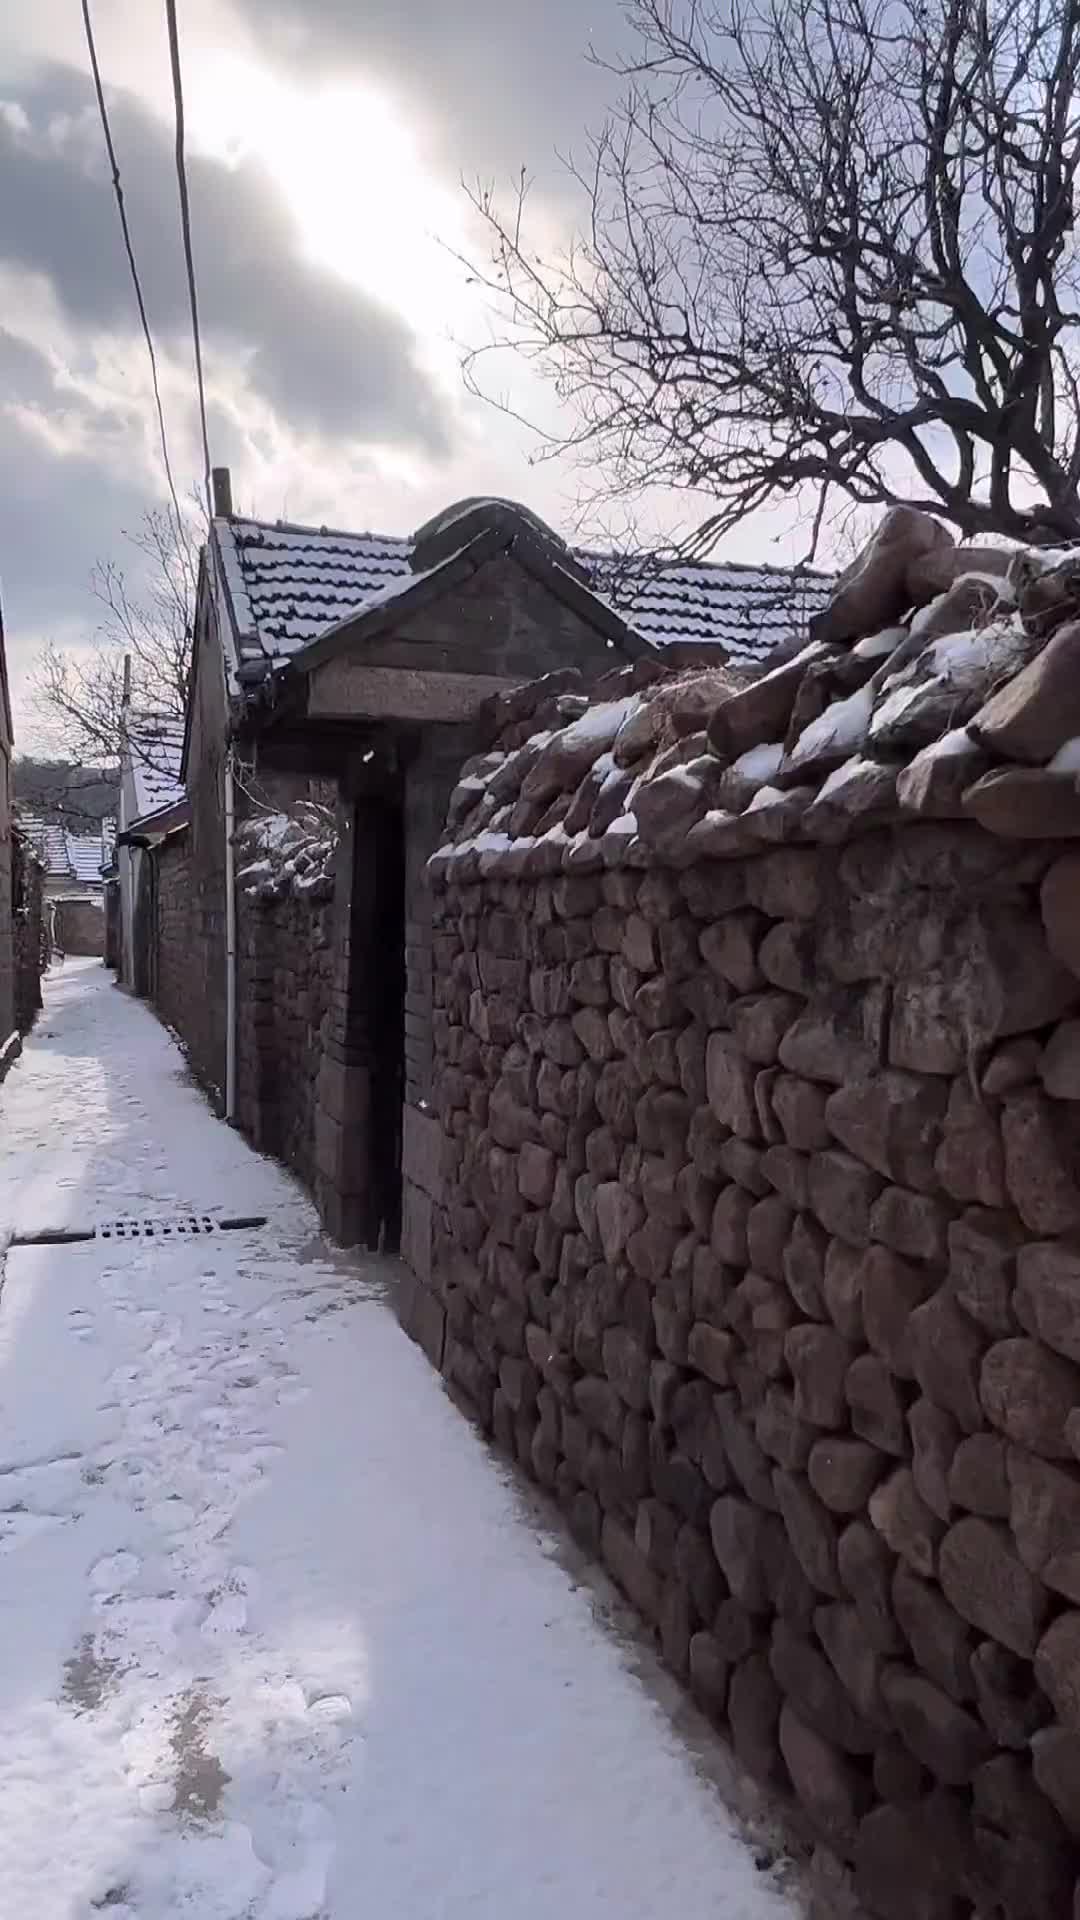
(756, 1192)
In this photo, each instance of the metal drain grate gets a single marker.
(184, 1223)
(167, 1227)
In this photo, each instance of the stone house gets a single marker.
(348, 670)
(74, 867)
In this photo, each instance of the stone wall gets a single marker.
(756, 1240)
(284, 968)
(177, 983)
(80, 926)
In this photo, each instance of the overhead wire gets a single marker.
(185, 228)
(129, 249)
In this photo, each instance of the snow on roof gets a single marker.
(156, 746)
(69, 856)
(290, 584)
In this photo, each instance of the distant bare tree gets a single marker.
(830, 249)
(79, 696)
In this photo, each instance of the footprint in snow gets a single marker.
(114, 1571)
(19, 1527)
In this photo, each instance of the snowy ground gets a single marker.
(278, 1639)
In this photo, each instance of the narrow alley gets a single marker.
(281, 1641)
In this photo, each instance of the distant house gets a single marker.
(152, 797)
(74, 865)
(349, 668)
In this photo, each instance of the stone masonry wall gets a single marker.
(80, 926)
(758, 1247)
(283, 986)
(176, 985)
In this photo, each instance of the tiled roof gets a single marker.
(69, 856)
(156, 745)
(289, 584)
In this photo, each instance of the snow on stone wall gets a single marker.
(758, 1239)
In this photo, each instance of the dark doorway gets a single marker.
(386, 947)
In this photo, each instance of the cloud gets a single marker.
(324, 354)
(501, 85)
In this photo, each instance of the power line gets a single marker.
(185, 226)
(130, 251)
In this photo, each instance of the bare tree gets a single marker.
(79, 696)
(830, 248)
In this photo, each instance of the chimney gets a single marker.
(222, 485)
(127, 679)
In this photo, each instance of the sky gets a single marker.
(328, 141)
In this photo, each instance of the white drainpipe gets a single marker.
(230, 941)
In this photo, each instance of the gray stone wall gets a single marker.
(283, 987)
(80, 927)
(755, 1203)
(177, 982)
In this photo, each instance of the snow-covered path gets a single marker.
(278, 1639)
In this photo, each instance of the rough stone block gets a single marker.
(893, 1121)
(800, 1107)
(629, 1569)
(987, 1584)
(982, 1249)
(1012, 1707)
(811, 1531)
(912, 1223)
(740, 1538)
(855, 1662)
(941, 1643)
(730, 1084)
(729, 947)
(803, 1265)
(891, 1289)
(803, 1674)
(910, 1860)
(1029, 1393)
(1047, 1297)
(832, 1791)
(844, 1472)
(819, 1359)
(946, 1352)
(1040, 1149)
(786, 1169)
(1044, 1516)
(753, 1710)
(709, 1674)
(1055, 1760)
(866, 1567)
(711, 1350)
(877, 1409)
(905, 1521)
(934, 1440)
(842, 1289)
(950, 1742)
(842, 1195)
(781, 1433)
(1057, 1668)
(970, 1162)
(977, 1478)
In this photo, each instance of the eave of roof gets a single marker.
(423, 589)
